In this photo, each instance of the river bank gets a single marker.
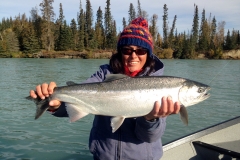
(232, 54)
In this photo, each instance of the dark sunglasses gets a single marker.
(129, 51)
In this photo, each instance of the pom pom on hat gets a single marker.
(136, 33)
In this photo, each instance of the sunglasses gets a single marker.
(129, 51)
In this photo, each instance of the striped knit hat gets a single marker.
(136, 33)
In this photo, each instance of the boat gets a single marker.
(217, 142)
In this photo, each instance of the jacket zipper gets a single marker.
(119, 146)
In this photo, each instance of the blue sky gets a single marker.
(223, 10)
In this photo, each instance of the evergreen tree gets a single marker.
(228, 43)
(203, 34)
(88, 24)
(238, 40)
(194, 38)
(81, 26)
(74, 32)
(124, 22)
(213, 32)
(171, 34)
(47, 28)
(99, 30)
(165, 26)
(59, 27)
(139, 10)
(153, 27)
(108, 20)
(60, 19)
(131, 13)
(37, 21)
(28, 40)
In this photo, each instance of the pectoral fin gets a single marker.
(74, 112)
(116, 122)
(184, 114)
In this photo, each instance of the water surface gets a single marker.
(23, 138)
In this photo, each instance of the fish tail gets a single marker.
(41, 105)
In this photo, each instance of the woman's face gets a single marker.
(134, 57)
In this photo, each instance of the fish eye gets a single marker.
(200, 90)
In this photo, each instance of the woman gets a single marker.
(137, 138)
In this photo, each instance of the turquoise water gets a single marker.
(23, 138)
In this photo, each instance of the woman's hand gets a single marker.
(167, 107)
(45, 90)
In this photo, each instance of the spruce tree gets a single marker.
(124, 23)
(194, 35)
(74, 32)
(153, 27)
(108, 21)
(81, 26)
(131, 13)
(88, 24)
(139, 10)
(165, 26)
(99, 30)
(171, 34)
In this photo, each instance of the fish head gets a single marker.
(192, 93)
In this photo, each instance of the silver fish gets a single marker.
(123, 97)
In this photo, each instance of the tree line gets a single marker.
(42, 32)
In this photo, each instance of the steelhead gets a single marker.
(123, 97)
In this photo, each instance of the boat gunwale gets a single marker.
(200, 133)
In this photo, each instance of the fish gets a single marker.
(121, 96)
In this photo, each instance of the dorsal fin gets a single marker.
(70, 83)
(112, 77)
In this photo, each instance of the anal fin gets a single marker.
(116, 122)
(74, 112)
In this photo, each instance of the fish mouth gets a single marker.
(205, 95)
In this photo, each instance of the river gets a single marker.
(23, 138)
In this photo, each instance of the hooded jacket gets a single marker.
(137, 138)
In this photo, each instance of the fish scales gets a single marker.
(123, 97)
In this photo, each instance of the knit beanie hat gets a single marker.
(136, 33)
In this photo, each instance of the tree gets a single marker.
(36, 22)
(131, 13)
(204, 34)
(139, 10)
(47, 28)
(28, 40)
(10, 41)
(81, 26)
(124, 22)
(153, 28)
(108, 21)
(74, 32)
(171, 34)
(194, 38)
(99, 30)
(165, 26)
(59, 27)
(88, 24)
(213, 32)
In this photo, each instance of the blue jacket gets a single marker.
(135, 139)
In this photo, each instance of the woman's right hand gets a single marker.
(45, 90)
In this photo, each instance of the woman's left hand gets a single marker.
(166, 108)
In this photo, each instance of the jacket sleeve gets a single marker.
(150, 131)
(98, 76)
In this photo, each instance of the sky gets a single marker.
(223, 10)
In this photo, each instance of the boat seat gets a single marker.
(208, 151)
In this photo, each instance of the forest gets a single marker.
(34, 36)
